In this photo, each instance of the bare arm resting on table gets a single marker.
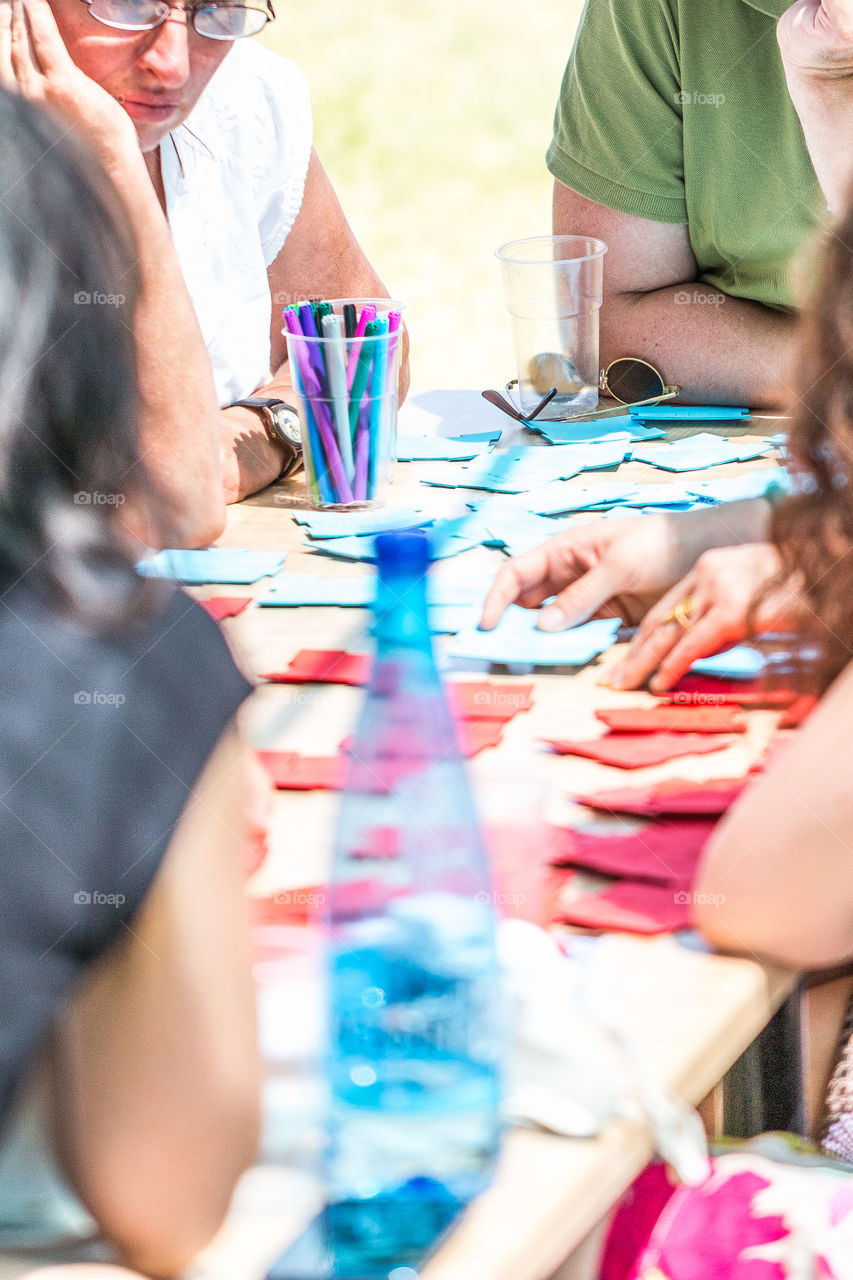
(737, 353)
(779, 866)
(156, 1077)
(320, 258)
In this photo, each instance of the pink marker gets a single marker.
(368, 313)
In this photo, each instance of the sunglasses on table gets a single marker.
(631, 381)
(218, 21)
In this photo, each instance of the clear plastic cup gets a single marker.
(346, 392)
(554, 287)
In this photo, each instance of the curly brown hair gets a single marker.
(813, 529)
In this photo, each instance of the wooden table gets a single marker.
(692, 1013)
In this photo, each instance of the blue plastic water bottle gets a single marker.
(416, 1014)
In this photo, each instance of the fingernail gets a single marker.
(616, 679)
(551, 619)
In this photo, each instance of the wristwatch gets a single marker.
(281, 423)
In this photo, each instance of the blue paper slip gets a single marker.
(598, 429)
(524, 467)
(217, 564)
(697, 453)
(479, 437)
(516, 639)
(660, 495)
(342, 524)
(363, 548)
(518, 531)
(436, 449)
(687, 413)
(292, 590)
(560, 498)
(736, 488)
(448, 619)
(739, 663)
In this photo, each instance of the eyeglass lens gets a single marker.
(219, 21)
(633, 380)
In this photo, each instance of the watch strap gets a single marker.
(263, 406)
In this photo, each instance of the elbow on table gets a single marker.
(201, 520)
(161, 1224)
(747, 929)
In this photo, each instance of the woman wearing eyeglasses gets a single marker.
(207, 137)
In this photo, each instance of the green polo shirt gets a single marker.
(678, 111)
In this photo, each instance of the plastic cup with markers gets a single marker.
(345, 358)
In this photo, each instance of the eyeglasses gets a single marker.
(217, 21)
(631, 381)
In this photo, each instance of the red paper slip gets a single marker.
(323, 666)
(665, 852)
(291, 771)
(798, 712)
(220, 607)
(298, 906)
(484, 700)
(676, 796)
(707, 691)
(629, 908)
(475, 736)
(669, 719)
(639, 750)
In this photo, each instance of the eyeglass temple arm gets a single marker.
(669, 394)
(495, 398)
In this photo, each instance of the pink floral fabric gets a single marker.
(751, 1219)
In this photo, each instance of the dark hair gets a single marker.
(814, 528)
(68, 384)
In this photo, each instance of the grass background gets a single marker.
(433, 121)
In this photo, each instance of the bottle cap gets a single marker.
(407, 552)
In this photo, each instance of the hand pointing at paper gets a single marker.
(640, 568)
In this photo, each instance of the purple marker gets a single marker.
(362, 454)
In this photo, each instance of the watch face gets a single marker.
(287, 423)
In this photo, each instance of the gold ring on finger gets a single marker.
(682, 613)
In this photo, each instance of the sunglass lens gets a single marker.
(633, 380)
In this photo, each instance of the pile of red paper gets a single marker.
(482, 708)
(655, 866)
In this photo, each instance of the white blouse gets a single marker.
(234, 177)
